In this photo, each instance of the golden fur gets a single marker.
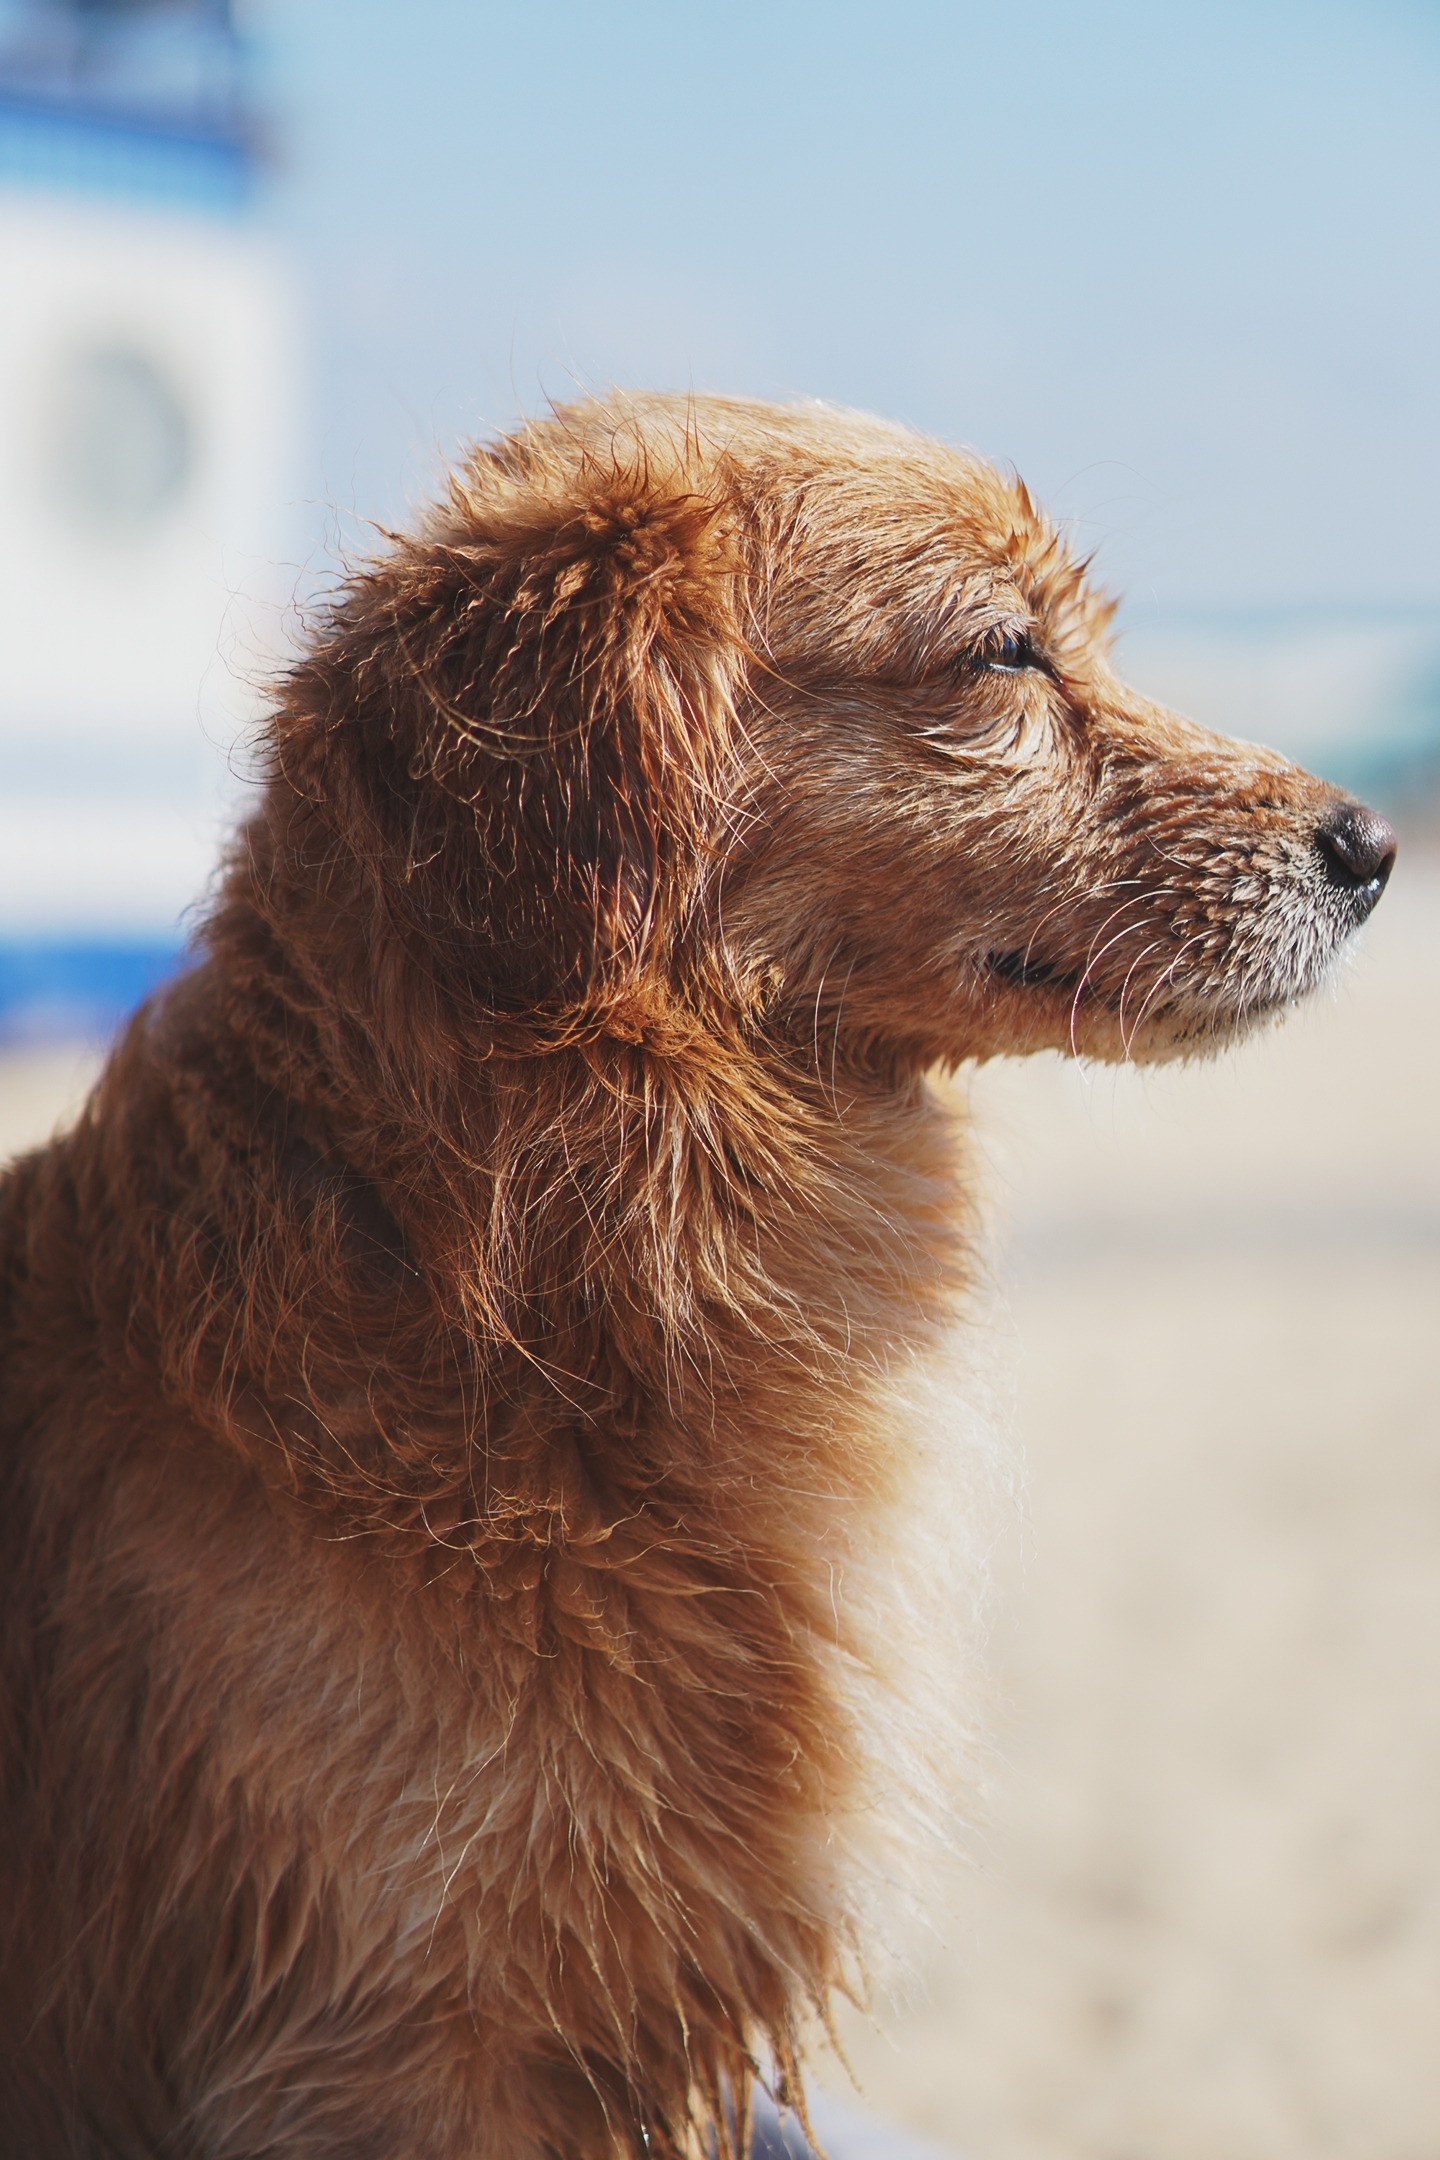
(459, 1373)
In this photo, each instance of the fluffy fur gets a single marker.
(464, 1615)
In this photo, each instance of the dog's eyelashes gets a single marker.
(1005, 652)
(1000, 652)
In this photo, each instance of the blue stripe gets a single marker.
(53, 988)
(46, 146)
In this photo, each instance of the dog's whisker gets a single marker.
(1090, 966)
(1140, 899)
(1165, 981)
(1126, 1043)
(1069, 903)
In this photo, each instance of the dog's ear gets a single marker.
(530, 711)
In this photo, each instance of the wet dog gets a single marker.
(470, 1524)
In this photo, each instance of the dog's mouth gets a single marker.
(1025, 967)
(1166, 999)
(1080, 988)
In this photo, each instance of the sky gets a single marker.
(1175, 262)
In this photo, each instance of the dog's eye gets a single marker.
(1005, 652)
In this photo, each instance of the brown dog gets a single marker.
(464, 1642)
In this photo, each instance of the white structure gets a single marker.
(147, 452)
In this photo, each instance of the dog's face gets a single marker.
(975, 837)
(686, 700)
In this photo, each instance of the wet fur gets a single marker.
(467, 1614)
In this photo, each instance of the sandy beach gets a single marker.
(1203, 1919)
(1203, 1916)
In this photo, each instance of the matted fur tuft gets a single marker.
(492, 1509)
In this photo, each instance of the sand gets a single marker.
(1203, 1920)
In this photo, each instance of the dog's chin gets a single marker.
(1098, 1035)
(1253, 997)
(1035, 1010)
(1174, 1038)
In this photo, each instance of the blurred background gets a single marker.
(266, 267)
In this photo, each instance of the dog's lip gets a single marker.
(1032, 972)
(1031, 969)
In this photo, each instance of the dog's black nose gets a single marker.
(1358, 847)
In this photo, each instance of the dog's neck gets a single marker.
(462, 1279)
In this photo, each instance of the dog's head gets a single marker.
(688, 708)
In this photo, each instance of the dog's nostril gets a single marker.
(1358, 845)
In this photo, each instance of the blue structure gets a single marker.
(131, 102)
(136, 98)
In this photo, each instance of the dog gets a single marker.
(471, 1511)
